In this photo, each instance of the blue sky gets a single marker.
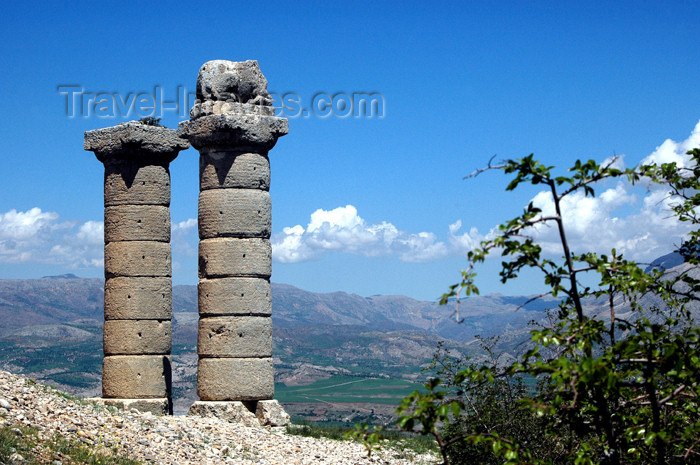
(362, 205)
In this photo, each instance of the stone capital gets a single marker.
(135, 142)
(228, 131)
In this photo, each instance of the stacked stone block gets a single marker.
(233, 126)
(137, 339)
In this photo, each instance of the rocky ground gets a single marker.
(171, 440)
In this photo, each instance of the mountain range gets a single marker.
(52, 330)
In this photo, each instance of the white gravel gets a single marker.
(177, 439)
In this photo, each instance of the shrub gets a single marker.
(612, 390)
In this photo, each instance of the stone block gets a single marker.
(231, 411)
(136, 376)
(234, 213)
(217, 107)
(251, 132)
(154, 406)
(234, 296)
(137, 223)
(234, 170)
(129, 298)
(137, 258)
(271, 413)
(232, 81)
(228, 257)
(134, 184)
(235, 336)
(137, 337)
(235, 379)
(134, 141)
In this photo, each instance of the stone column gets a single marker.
(136, 370)
(233, 126)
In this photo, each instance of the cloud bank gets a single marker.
(635, 220)
(671, 151)
(36, 236)
(343, 230)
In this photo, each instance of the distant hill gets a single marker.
(50, 300)
(666, 262)
(62, 276)
(293, 307)
(63, 299)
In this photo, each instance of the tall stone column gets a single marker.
(233, 126)
(137, 340)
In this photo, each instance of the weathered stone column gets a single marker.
(233, 126)
(137, 338)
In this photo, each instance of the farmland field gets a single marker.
(348, 389)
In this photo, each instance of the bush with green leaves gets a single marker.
(151, 121)
(489, 408)
(614, 387)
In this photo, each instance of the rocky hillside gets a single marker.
(48, 301)
(53, 427)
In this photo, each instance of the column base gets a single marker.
(249, 413)
(161, 406)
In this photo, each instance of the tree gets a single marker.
(624, 389)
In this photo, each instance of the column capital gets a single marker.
(135, 141)
(233, 130)
(233, 109)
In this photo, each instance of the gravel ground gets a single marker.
(176, 439)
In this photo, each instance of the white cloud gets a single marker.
(635, 221)
(596, 224)
(589, 221)
(343, 230)
(184, 239)
(35, 236)
(617, 161)
(461, 244)
(20, 226)
(341, 217)
(183, 226)
(646, 231)
(92, 232)
(671, 151)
